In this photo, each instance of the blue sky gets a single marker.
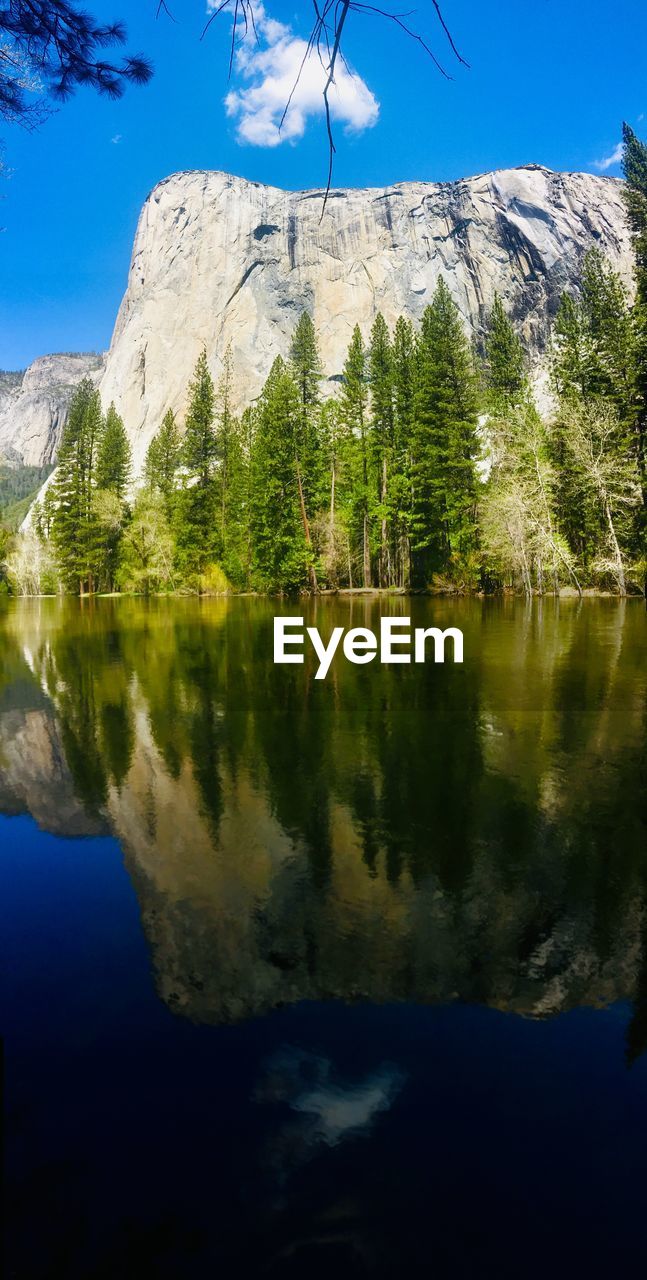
(549, 82)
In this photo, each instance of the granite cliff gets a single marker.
(34, 405)
(220, 260)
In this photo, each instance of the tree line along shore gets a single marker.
(429, 469)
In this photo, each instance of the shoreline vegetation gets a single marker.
(336, 593)
(429, 471)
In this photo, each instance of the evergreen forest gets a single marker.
(428, 468)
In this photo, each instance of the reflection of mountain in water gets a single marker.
(423, 834)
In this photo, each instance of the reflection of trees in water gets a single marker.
(419, 831)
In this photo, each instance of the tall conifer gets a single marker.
(382, 436)
(354, 408)
(196, 523)
(114, 458)
(403, 398)
(505, 366)
(444, 473)
(75, 529)
(281, 552)
(163, 460)
(634, 164)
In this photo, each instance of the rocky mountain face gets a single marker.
(220, 260)
(34, 405)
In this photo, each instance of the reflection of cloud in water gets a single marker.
(340, 1111)
(332, 1109)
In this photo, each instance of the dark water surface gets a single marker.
(344, 978)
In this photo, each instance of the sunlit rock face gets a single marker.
(220, 260)
(34, 405)
(35, 778)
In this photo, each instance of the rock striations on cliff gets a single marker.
(220, 260)
(34, 405)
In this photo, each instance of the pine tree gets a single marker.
(593, 339)
(634, 164)
(113, 471)
(305, 361)
(196, 515)
(75, 528)
(634, 167)
(354, 409)
(609, 330)
(504, 360)
(305, 365)
(243, 547)
(230, 477)
(401, 491)
(445, 444)
(225, 436)
(382, 437)
(281, 553)
(568, 353)
(199, 446)
(163, 460)
(331, 534)
(114, 458)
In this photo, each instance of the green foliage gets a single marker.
(593, 347)
(400, 487)
(305, 361)
(382, 484)
(14, 514)
(213, 582)
(18, 487)
(306, 370)
(634, 165)
(354, 415)
(114, 459)
(5, 544)
(199, 445)
(147, 549)
(163, 460)
(521, 537)
(444, 442)
(504, 361)
(600, 455)
(281, 554)
(381, 442)
(232, 481)
(113, 474)
(196, 512)
(600, 377)
(75, 527)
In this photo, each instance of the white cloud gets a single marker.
(343, 1111)
(331, 1109)
(613, 158)
(116, 140)
(271, 65)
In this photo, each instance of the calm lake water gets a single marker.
(342, 978)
